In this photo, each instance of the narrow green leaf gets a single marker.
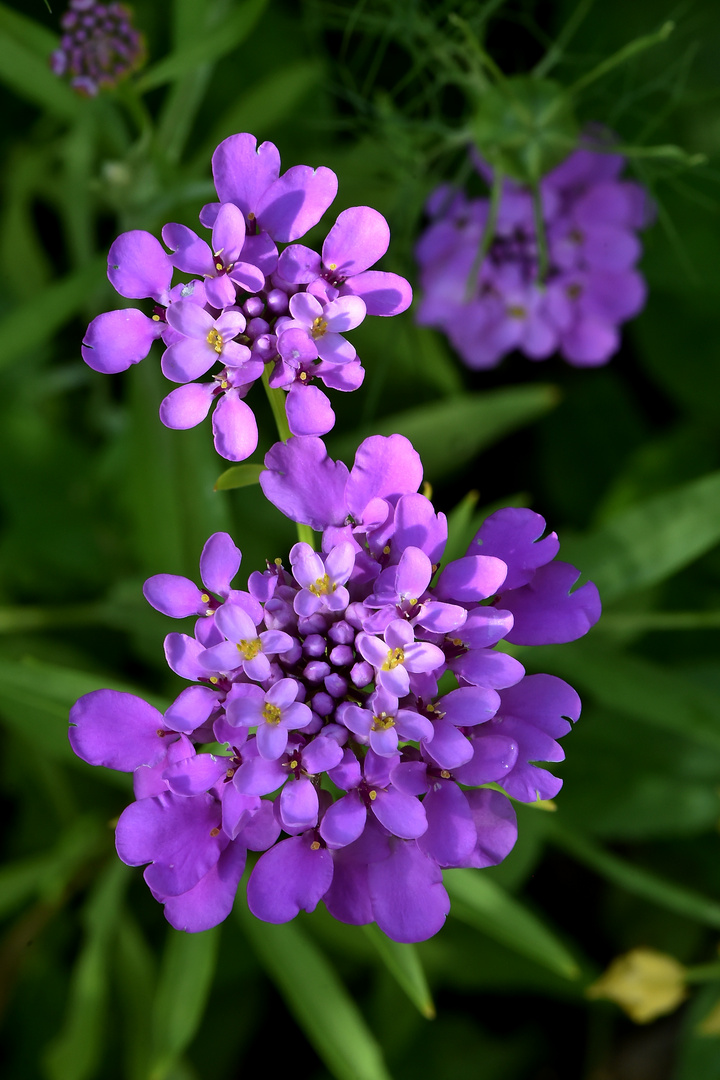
(77, 1051)
(29, 75)
(46, 876)
(28, 32)
(136, 984)
(450, 433)
(317, 999)
(207, 47)
(403, 963)
(36, 321)
(652, 541)
(239, 476)
(482, 903)
(657, 695)
(186, 975)
(637, 881)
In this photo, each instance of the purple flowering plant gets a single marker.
(354, 716)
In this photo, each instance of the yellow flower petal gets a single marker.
(644, 982)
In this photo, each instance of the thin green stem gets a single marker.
(626, 53)
(556, 50)
(276, 397)
(488, 234)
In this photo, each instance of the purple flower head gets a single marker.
(335, 752)
(99, 46)
(238, 314)
(591, 219)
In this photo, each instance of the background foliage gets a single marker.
(95, 496)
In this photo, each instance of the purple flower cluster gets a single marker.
(348, 711)
(99, 46)
(591, 218)
(245, 305)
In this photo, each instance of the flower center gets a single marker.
(271, 713)
(214, 338)
(249, 649)
(383, 722)
(394, 657)
(322, 586)
(515, 311)
(319, 327)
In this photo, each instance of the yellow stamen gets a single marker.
(214, 338)
(272, 714)
(322, 586)
(386, 549)
(303, 376)
(515, 311)
(372, 795)
(314, 846)
(205, 598)
(332, 266)
(382, 722)
(218, 266)
(394, 657)
(445, 774)
(319, 327)
(215, 831)
(249, 649)
(278, 562)
(293, 764)
(156, 318)
(214, 679)
(413, 602)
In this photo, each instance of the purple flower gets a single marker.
(326, 678)
(591, 220)
(99, 46)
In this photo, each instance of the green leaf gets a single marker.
(28, 32)
(136, 985)
(36, 321)
(77, 1051)
(657, 695)
(264, 104)
(403, 963)
(239, 476)
(186, 975)
(29, 75)
(460, 524)
(635, 880)
(317, 999)
(652, 541)
(451, 432)
(207, 47)
(35, 699)
(46, 876)
(483, 904)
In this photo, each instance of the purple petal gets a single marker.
(321, 754)
(243, 170)
(451, 834)
(196, 774)
(304, 483)
(344, 821)
(493, 670)
(139, 266)
(299, 264)
(309, 411)
(290, 877)
(187, 359)
(117, 730)
(190, 254)
(496, 826)
(175, 835)
(402, 815)
(187, 406)
(228, 235)
(234, 428)
(271, 741)
(210, 901)
(173, 595)
(546, 612)
(256, 776)
(513, 535)
(298, 805)
(219, 563)
(384, 294)
(472, 578)
(449, 748)
(191, 708)
(385, 467)
(296, 201)
(359, 237)
(116, 340)
(468, 706)
(408, 899)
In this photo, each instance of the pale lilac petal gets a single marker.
(382, 293)
(182, 653)
(220, 291)
(187, 359)
(190, 319)
(187, 406)
(385, 467)
(309, 411)
(305, 308)
(139, 266)
(228, 235)
(334, 349)
(191, 708)
(344, 314)
(256, 776)
(190, 254)
(299, 264)
(173, 595)
(234, 428)
(304, 483)
(196, 774)
(219, 563)
(296, 201)
(271, 741)
(402, 815)
(359, 237)
(210, 901)
(299, 804)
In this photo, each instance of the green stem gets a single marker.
(487, 236)
(276, 397)
(556, 50)
(703, 973)
(626, 53)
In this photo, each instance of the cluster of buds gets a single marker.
(99, 46)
